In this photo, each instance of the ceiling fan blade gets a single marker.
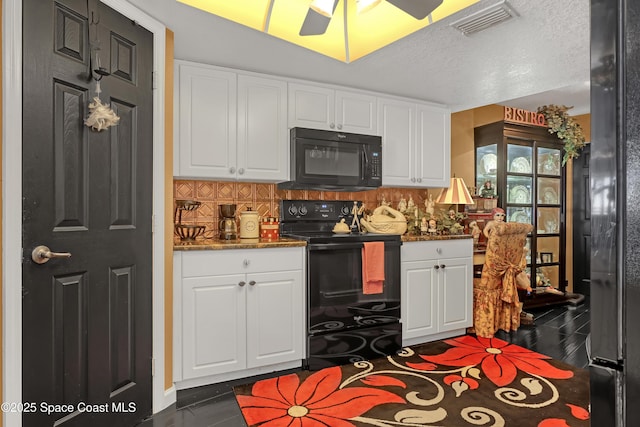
(315, 23)
(419, 9)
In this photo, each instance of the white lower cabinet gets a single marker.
(437, 289)
(240, 310)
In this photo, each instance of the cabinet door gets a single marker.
(311, 107)
(419, 299)
(356, 113)
(213, 325)
(433, 147)
(274, 318)
(206, 145)
(455, 293)
(397, 121)
(263, 141)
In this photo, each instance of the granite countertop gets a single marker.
(426, 237)
(216, 244)
(283, 242)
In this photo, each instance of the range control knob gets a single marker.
(345, 210)
(293, 210)
(302, 210)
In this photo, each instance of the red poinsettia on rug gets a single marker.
(457, 382)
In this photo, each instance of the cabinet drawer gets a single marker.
(233, 261)
(434, 249)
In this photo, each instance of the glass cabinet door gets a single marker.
(519, 179)
(487, 170)
(549, 191)
(549, 161)
(548, 221)
(519, 159)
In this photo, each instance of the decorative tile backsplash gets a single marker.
(265, 198)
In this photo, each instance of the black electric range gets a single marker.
(345, 323)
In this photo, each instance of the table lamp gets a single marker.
(456, 194)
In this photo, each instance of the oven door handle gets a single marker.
(334, 246)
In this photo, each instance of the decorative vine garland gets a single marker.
(566, 128)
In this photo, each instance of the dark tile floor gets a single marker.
(560, 332)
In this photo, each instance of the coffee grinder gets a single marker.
(228, 227)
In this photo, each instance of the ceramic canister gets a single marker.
(249, 224)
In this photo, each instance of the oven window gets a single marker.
(328, 160)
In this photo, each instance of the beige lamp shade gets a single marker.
(456, 194)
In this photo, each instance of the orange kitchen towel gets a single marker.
(372, 267)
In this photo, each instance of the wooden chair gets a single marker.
(495, 295)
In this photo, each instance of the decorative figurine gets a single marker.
(433, 226)
(498, 216)
(429, 206)
(424, 227)
(355, 223)
(487, 191)
(402, 205)
(411, 206)
(475, 232)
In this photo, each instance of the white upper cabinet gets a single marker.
(398, 130)
(263, 138)
(433, 158)
(319, 107)
(416, 143)
(207, 103)
(230, 125)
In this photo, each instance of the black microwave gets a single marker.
(334, 161)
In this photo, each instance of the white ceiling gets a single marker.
(540, 57)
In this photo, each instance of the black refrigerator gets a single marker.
(614, 348)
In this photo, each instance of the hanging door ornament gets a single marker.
(101, 116)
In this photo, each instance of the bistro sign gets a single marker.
(517, 115)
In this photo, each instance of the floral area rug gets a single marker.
(464, 381)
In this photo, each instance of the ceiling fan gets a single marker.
(320, 12)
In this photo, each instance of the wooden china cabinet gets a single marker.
(524, 164)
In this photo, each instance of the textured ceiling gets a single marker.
(537, 58)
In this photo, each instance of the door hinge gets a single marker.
(153, 223)
(154, 80)
(153, 366)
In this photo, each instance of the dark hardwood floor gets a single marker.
(559, 332)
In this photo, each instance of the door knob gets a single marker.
(42, 254)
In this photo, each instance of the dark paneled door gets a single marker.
(581, 223)
(86, 319)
